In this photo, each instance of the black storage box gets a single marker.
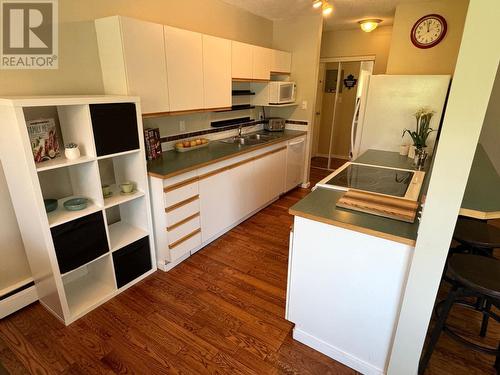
(79, 241)
(132, 261)
(115, 127)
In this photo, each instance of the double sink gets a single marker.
(249, 139)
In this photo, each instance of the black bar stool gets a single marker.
(472, 276)
(476, 237)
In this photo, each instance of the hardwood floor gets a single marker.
(321, 162)
(220, 311)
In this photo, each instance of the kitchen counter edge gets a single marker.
(287, 135)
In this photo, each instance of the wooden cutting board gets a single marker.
(380, 205)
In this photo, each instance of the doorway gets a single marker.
(339, 91)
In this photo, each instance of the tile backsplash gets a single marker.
(185, 124)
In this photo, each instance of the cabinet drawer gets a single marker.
(185, 245)
(189, 208)
(179, 194)
(183, 228)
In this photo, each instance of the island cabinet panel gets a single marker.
(132, 55)
(345, 292)
(241, 60)
(216, 72)
(261, 63)
(281, 62)
(184, 51)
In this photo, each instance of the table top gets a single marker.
(482, 194)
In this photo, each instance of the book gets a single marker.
(156, 143)
(149, 155)
(43, 138)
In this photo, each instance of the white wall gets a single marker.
(474, 76)
(405, 58)
(302, 37)
(355, 42)
(490, 135)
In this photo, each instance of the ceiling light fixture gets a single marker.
(327, 8)
(369, 25)
(317, 3)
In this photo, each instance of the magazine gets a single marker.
(43, 137)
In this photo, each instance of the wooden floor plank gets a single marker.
(219, 312)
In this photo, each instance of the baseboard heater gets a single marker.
(17, 296)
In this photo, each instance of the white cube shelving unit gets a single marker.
(80, 259)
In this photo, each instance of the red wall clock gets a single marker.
(428, 31)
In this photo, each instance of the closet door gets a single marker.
(216, 72)
(184, 52)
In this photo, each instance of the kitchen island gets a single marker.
(347, 272)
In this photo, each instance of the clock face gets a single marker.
(428, 31)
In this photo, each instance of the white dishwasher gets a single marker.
(295, 162)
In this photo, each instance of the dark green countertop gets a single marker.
(320, 205)
(387, 159)
(173, 163)
(482, 194)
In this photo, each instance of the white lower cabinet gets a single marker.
(194, 208)
(215, 204)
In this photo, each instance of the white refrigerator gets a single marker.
(387, 105)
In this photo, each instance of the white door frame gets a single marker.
(340, 60)
(347, 58)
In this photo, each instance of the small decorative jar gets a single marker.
(411, 152)
(420, 158)
(72, 151)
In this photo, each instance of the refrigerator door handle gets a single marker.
(354, 126)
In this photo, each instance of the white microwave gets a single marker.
(281, 92)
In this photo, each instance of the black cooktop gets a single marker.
(375, 179)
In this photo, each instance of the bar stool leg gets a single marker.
(497, 361)
(484, 323)
(436, 332)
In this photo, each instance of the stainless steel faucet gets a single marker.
(239, 131)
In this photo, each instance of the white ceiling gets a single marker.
(345, 15)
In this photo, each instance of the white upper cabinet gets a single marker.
(241, 60)
(216, 72)
(281, 62)
(184, 53)
(133, 60)
(261, 63)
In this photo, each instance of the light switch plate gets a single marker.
(304, 104)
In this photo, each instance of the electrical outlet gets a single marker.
(182, 125)
(304, 104)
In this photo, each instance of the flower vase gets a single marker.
(420, 158)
